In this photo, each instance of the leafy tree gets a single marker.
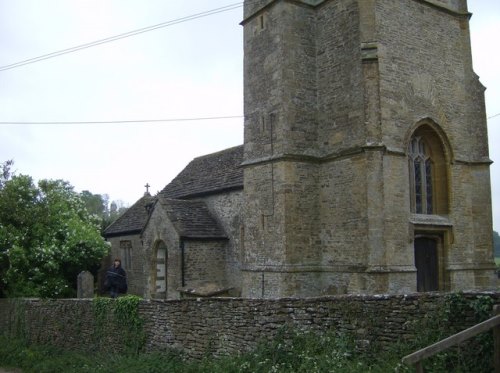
(96, 204)
(5, 173)
(116, 209)
(99, 205)
(496, 244)
(47, 237)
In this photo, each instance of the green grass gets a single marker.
(298, 352)
(304, 353)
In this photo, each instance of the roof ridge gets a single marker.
(218, 152)
(211, 173)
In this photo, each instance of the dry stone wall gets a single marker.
(219, 326)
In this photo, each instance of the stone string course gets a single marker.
(219, 326)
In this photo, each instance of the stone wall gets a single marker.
(219, 326)
(204, 262)
(227, 208)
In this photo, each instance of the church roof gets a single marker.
(208, 174)
(133, 220)
(191, 218)
(212, 173)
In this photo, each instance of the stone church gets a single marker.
(364, 168)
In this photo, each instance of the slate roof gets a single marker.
(191, 219)
(208, 174)
(132, 221)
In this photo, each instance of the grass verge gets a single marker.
(305, 352)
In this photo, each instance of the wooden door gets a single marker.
(426, 261)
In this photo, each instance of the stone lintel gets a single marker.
(430, 220)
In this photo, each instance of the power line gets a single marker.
(133, 121)
(122, 36)
(145, 120)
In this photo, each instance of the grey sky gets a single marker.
(188, 70)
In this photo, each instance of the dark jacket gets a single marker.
(116, 278)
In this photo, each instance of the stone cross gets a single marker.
(85, 285)
(147, 188)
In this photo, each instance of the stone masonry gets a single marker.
(364, 168)
(220, 326)
(334, 91)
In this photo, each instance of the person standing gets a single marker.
(116, 279)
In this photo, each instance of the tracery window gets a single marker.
(421, 169)
(428, 172)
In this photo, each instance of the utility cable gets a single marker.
(122, 36)
(132, 121)
(144, 120)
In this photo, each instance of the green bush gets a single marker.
(474, 355)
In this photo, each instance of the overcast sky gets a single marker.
(187, 70)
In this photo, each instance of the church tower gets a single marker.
(366, 166)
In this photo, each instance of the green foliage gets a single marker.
(5, 172)
(99, 206)
(496, 244)
(96, 204)
(39, 359)
(17, 325)
(301, 351)
(47, 237)
(289, 352)
(118, 321)
(474, 355)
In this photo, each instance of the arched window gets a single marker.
(421, 176)
(428, 172)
